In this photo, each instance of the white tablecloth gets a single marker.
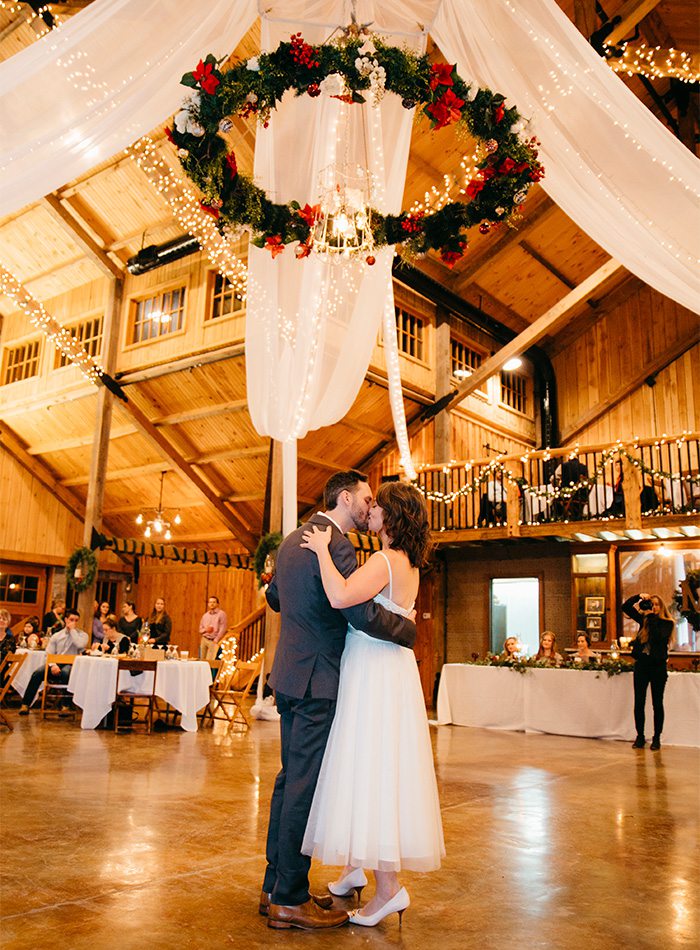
(564, 702)
(182, 684)
(35, 660)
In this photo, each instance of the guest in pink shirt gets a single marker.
(212, 628)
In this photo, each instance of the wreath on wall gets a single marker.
(267, 546)
(81, 569)
(352, 67)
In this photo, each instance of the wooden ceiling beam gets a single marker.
(630, 13)
(81, 237)
(230, 455)
(119, 474)
(202, 412)
(549, 322)
(238, 528)
(321, 463)
(11, 442)
(541, 259)
(118, 243)
(168, 367)
(78, 441)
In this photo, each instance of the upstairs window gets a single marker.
(514, 391)
(21, 362)
(409, 330)
(158, 316)
(89, 333)
(224, 302)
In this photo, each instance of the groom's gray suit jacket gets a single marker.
(312, 634)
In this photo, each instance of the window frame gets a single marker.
(152, 294)
(209, 318)
(97, 355)
(526, 395)
(35, 360)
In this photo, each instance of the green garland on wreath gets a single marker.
(267, 544)
(347, 69)
(84, 562)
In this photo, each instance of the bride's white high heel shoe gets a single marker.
(354, 881)
(395, 905)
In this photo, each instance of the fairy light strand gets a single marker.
(57, 334)
(654, 62)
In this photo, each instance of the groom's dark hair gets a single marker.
(341, 481)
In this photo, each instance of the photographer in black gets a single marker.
(650, 652)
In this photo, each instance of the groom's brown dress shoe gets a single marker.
(322, 900)
(308, 916)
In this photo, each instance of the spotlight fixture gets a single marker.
(160, 521)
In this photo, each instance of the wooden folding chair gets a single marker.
(233, 690)
(56, 691)
(9, 668)
(125, 698)
(205, 715)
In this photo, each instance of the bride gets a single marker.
(376, 803)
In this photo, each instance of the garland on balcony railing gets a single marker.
(552, 492)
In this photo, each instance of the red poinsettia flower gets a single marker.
(214, 212)
(303, 249)
(536, 173)
(309, 213)
(232, 164)
(450, 257)
(477, 184)
(274, 245)
(499, 112)
(441, 75)
(447, 109)
(509, 166)
(204, 75)
(169, 134)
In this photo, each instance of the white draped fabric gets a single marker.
(311, 324)
(108, 76)
(610, 164)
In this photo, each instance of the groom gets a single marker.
(305, 677)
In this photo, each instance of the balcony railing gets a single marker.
(617, 482)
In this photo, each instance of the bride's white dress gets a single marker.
(376, 803)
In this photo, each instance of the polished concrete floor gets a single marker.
(133, 841)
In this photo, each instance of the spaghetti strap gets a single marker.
(391, 579)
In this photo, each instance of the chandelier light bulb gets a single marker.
(139, 518)
(168, 535)
(147, 532)
(158, 525)
(177, 519)
(341, 225)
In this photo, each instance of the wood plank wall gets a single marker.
(186, 588)
(33, 523)
(594, 370)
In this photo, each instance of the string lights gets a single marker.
(30, 15)
(57, 334)
(189, 214)
(497, 468)
(654, 62)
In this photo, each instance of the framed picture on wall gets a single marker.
(595, 605)
(594, 623)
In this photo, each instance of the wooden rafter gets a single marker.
(81, 237)
(631, 13)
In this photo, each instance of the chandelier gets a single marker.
(159, 521)
(343, 225)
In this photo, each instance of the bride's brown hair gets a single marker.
(406, 521)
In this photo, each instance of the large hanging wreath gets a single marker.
(349, 69)
(81, 569)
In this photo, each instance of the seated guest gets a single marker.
(53, 620)
(583, 653)
(69, 640)
(7, 639)
(30, 632)
(510, 649)
(129, 623)
(101, 613)
(114, 642)
(160, 624)
(212, 628)
(548, 650)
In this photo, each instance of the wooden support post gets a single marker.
(442, 430)
(513, 505)
(632, 488)
(100, 446)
